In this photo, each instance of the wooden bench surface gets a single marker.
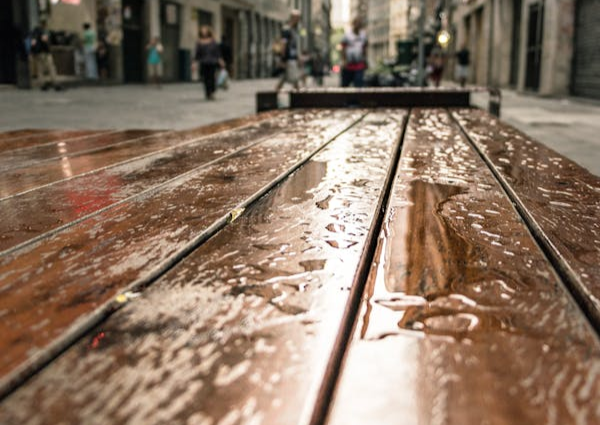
(463, 317)
(310, 266)
(559, 199)
(29, 138)
(78, 197)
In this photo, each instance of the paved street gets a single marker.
(175, 106)
(570, 126)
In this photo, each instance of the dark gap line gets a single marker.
(326, 391)
(22, 374)
(567, 276)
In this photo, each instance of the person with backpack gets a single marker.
(44, 63)
(290, 48)
(354, 55)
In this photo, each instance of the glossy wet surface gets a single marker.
(43, 173)
(273, 287)
(60, 150)
(30, 138)
(463, 318)
(49, 285)
(559, 195)
(76, 198)
(208, 276)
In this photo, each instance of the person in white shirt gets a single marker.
(354, 55)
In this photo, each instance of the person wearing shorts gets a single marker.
(290, 40)
(155, 50)
(354, 55)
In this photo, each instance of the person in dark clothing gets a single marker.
(40, 49)
(289, 48)
(208, 55)
(463, 61)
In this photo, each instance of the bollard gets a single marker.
(494, 102)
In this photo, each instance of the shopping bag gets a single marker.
(222, 79)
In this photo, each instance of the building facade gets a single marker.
(378, 30)
(359, 9)
(399, 19)
(549, 47)
(321, 27)
(249, 27)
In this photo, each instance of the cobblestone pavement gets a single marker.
(569, 126)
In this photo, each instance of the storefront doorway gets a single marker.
(516, 42)
(586, 62)
(133, 41)
(534, 46)
(170, 17)
(8, 44)
(230, 34)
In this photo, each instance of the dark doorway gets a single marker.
(170, 24)
(8, 44)
(229, 38)
(133, 41)
(230, 33)
(516, 42)
(586, 58)
(535, 33)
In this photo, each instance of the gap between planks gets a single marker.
(325, 394)
(567, 276)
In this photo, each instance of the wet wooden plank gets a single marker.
(53, 289)
(71, 147)
(241, 330)
(559, 196)
(17, 181)
(32, 215)
(44, 137)
(463, 319)
(26, 132)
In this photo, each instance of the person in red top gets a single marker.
(354, 55)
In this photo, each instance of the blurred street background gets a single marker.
(137, 63)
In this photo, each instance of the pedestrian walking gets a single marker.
(290, 58)
(436, 64)
(208, 55)
(44, 63)
(155, 50)
(354, 55)
(89, 50)
(463, 61)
